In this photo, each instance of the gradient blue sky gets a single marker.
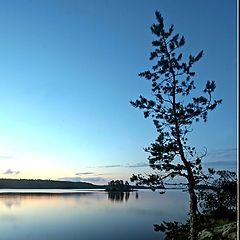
(68, 69)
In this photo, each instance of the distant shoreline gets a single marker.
(27, 193)
(7, 183)
(45, 184)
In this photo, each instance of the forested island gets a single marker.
(119, 186)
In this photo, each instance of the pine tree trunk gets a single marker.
(191, 180)
(193, 215)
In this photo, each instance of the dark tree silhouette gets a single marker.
(217, 197)
(220, 198)
(174, 108)
(118, 186)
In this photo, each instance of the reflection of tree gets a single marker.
(118, 196)
(136, 196)
(16, 199)
(9, 203)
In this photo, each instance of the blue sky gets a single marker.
(69, 68)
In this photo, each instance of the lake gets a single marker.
(87, 214)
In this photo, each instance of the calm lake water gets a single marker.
(87, 215)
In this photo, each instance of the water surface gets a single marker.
(87, 214)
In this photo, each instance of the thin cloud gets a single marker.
(107, 166)
(102, 174)
(222, 163)
(222, 158)
(71, 179)
(6, 157)
(95, 179)
(127, 165)
(87, 179)
(84, 173)
(113, 166)
(140, 164)
(11, 172)
(224, 154)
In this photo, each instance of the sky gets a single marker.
(69, 68)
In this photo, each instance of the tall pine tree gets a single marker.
(174, 109)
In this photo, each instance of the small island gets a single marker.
(119, 186)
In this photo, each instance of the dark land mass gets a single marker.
(6, 183)
(45, 184)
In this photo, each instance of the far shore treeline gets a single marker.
(44, 184)
(7, 183)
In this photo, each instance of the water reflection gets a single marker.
(72, 216)
(10, 203)
(136, 195)
(15, 198)
(45, 199)
(118, 196)
(121, 196)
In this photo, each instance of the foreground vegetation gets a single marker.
(218, 217)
